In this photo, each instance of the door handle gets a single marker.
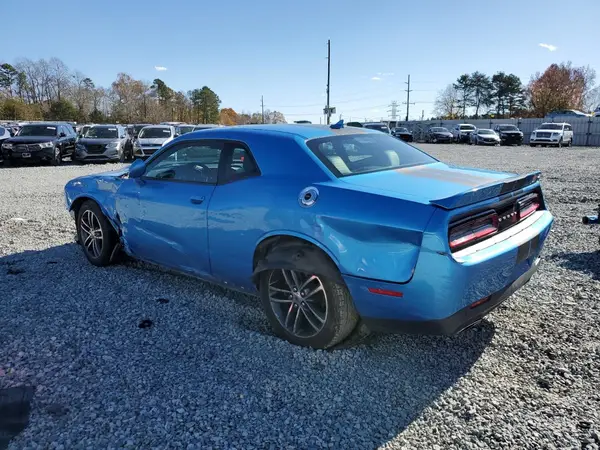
(197, 200)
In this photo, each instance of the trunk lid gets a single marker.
(445, 186)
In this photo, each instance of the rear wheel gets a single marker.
(96, 235)
(307, 309)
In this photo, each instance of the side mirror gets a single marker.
(137, 168)
(62, 134)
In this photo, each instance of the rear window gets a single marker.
(354, 154)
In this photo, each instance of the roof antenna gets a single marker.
(338, 125)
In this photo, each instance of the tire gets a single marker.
(56, 157)
(99, 253)
(7, 163)
(317, 327)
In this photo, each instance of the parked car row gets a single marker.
(51, 142)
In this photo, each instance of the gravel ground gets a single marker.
(209, 374)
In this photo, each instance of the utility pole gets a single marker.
(328, 78)
(262, 107)
(408, 103)
(422, 115)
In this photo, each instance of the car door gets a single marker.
(164, 212)
(236, 216)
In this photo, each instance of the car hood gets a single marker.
(30, 139)
(510, 132)
(153, 141)
(426, 183)
(95, 141)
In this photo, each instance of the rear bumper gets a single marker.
(458, 321)
(446, 292)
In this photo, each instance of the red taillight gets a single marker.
(528, 206)
(473, 230)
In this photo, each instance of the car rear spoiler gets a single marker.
(487, 191)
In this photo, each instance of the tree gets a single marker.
(274, 117)
(59, 77)
(465, 88)
(561, 86)
(447, 102)
(228, 116)
(62, 110)
(507, 94)
(8, 78)
(482, 91)
(206, 105)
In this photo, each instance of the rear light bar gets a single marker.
(472, 230)
(528, 205)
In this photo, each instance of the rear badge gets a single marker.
(308, 196)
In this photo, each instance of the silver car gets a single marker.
(485, 136)
(103, 143)
(151, 138)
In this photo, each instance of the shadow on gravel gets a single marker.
(200, 365)
(588, 263)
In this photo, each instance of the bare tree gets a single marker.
(60, 78)
(447, 102)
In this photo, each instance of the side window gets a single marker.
(240, 164)
(61, 130)
(194, 162)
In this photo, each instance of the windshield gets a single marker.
(383, 128)
(508, 128)
(155, 133)
(485, 132)
(202, 127)
(186, 129)
(550, 126)
(102, 133)
(467, 127)
(38, 130)
(439, 130)
(137, 128)
(361, 153)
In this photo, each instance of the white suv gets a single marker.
(462, 132)
(559, 134)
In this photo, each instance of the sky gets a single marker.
(278, 49)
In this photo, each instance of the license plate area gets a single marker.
(25, 155)
(528, 249)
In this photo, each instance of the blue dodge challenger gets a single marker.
(331, 226)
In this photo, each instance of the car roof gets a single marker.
(303, 131)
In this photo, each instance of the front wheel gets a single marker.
(95, 233)
(56, 157)
(307, 309)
